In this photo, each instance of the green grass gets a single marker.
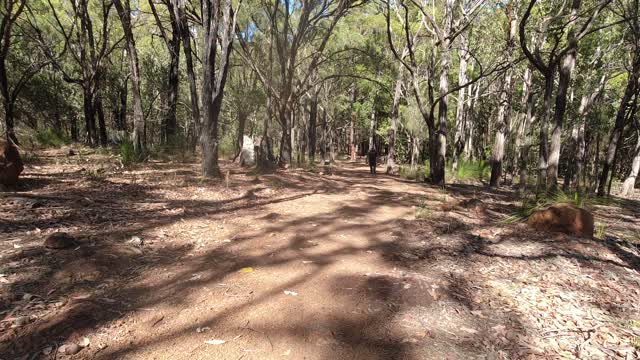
(50, 138)
(417, 174)
(532, 204)
(128, 155)
(471, 170)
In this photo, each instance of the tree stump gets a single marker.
(10, 164)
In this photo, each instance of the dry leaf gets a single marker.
(215, 342)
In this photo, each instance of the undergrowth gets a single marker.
(50, 138)
(128, 155)
(472, 170)
(540, 202)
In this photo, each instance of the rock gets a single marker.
(136, 241)
(247, 154)
(21, 321)
(59, 240)
(70, 349)
(10, 164)
(564, 218)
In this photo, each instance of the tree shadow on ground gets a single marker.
(428, 305)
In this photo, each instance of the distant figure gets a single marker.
(372, 156)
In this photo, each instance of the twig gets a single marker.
(562, 332)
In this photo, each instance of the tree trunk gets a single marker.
(219, 22)
(393, 119)
(124, 13)
(285, 141)
(620, 123)
(458, 138)
(242, 121)
(524, 133)
(630, 181)
(566, 67)
(89, 115)
(323, 137)
(504, 113)
(373, 126)
(470, 121)
(544, 131)
(171, 124)
(185, 33)
(101, 121)
(9, 122)
(439, 163)
(313, 119)
(352, 124)
(122, 109)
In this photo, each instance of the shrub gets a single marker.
(50, 138)
(128, 155)
(406, 172)
(473, 170)
(531, 204)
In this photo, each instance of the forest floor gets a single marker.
(325, 264)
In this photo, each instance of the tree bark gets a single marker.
(524, 133)
(393, 119)
(313, 119)
(566, 67)
(102, 126)
(620, 122)
(219, 21)
(630, 181)
(504, 113)
(89, 114)
(458, 138)
(8, 99)
(439, 163)
(124, 12)
(352, 125)
(185, 33)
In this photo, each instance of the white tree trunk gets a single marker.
(630, 181)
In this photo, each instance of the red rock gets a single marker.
(564, 218)
(10, 164)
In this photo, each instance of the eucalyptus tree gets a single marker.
(124, 12)
(564, 28)
(428, 40)
(172, 40)
(504, 111)
(77, 40)
(630, 181)
(219, 24)
(10, 12)
(290, 26)
(630, 15)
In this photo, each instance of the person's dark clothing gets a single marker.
(373, 159)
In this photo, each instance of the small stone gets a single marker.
(59, 240)
(21, 321)
(84, 342)
(69, 349)
(136, 241)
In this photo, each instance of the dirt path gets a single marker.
(301, 265)
(303, 278)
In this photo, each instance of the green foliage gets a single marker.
(472, 170)
(540, 202)
(128, 155)
(409, 173)
(50, 138)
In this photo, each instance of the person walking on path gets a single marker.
(373, 160)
